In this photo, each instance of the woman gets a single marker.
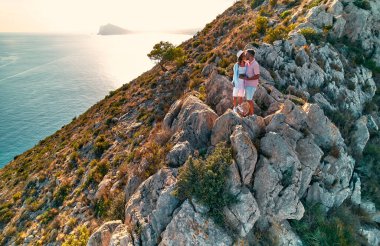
(240, 68)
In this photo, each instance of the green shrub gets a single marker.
(313, 4)
(285, 14)
(280, 32)
(311, 35)
(256, 3)
(261, 24)
(273, 3)
(101, 145)
(101, 207)
(205, 180)
(6, 213)
(117, 207)
(363, 4)
(79, 238)
(60, 194)
(340, 226)
(369, 171)
(47, 216)
(99, 170)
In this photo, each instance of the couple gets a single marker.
(245, 79)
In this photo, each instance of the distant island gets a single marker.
(110, 29)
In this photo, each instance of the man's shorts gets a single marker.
(238, 92)
(249, 91)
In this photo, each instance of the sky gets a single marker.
(85, 16)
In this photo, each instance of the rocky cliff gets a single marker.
(164, 160)
(110, 29)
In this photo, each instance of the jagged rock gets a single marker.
(192, 123)
(208, 69)
(309, 155)
(368, 206)
(360, 136)
(133, 182)
(356, 190)
(283, 231)
(371, 124)
(326, 133)
(243, 215)
(103, 187)
(319, 17)
(246, 154)
(225, 124)
(335, 8)
(121, 237)
(372, 235)
(189, 227)
(102, 236)
(301, 57)
(219, 91)
(152, 205)
(295, 116)
(323, 103)
(234, 182)
(277, 180)
(298, 40)
(335, 174)
(338, 27)
(310, 75)
(178, 155)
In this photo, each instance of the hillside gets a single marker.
(110, 29)
(307, 162)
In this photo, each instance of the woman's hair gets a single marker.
(240, 58)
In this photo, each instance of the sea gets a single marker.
(48, 79)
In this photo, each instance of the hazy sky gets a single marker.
(87, 15)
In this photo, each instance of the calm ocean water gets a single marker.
(46, 80)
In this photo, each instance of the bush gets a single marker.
(205, 180)
(363, 4)
(117, 207)
(256, 3)
(261, 24)
(60, 194)
(6, 213)
(369, 171)
(340, 226)
(99, 171)
(311, 35)
(285, 14)
(314, 3)
(101, 145)
(278, 33)
(101, 207)
(79, 238)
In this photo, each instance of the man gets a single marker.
(251, 78)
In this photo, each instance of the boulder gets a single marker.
(319, 17)
(245, 154)
(219, 91)
(151, 207)
(243, 215)
(178, 155)
(360, 136)
(192, 123)
(326, 133)
(102, 236)
(225, 124)
(309, 154)
(189, 227)
(371, 234)
(103, 187)
(208, 69)
(277, 180)
(121, 237)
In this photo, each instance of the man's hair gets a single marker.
(251, 51)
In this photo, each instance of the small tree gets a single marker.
(164, 51)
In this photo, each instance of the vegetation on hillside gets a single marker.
(205, 180)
